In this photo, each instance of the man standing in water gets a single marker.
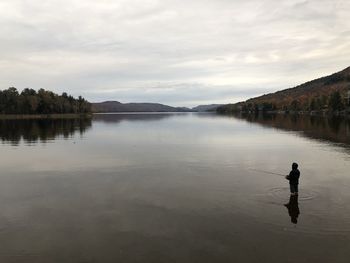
(293, 178)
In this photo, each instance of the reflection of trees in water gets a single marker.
(31, 131)
(334, 129)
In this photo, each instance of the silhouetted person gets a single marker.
(293, 208)
(293, 178)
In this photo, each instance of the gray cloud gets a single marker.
(176, 52)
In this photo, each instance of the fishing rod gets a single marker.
(256, 170)
(267, 172)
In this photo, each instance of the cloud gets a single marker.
(182, 52)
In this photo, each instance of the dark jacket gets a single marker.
(294, 176)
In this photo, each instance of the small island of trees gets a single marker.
(42, 101)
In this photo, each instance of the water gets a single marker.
(174, 188)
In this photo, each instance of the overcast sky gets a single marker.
(177, 52)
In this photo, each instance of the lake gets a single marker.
(174, 188)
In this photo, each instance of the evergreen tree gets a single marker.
(335, 101)
(42, 102)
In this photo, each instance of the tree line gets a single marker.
(335, 102)
(30, 101)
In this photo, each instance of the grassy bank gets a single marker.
(43, 116)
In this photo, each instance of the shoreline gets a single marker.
(324, 113)
(44, 116)
(345, 114)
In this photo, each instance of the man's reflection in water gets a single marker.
(293, 208)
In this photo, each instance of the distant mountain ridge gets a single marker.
(203, 108)
(116, 106)
(302, 97)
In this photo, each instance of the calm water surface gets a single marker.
(174, 188)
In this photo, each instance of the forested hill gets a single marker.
(317, 94)
(116, 106)
(206, 108)
(42, 101)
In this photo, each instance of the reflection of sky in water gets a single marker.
(196, 169)
(168, 139)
